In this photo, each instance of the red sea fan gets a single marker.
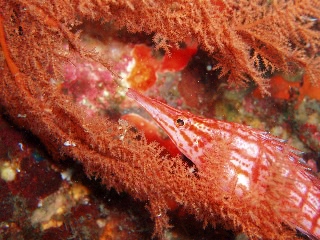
(247, 38)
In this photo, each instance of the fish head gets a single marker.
(179, 125)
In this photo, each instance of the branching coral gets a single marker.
(241, 35)
(37, 37)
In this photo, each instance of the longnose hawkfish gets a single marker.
(251, 155)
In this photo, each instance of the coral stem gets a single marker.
(12, 66)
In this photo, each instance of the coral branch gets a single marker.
(33, 38)
(12, 66)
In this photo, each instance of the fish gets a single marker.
(253, 157)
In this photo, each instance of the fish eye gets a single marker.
(181, 122)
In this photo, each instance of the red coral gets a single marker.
(247, 38)
(143, 75)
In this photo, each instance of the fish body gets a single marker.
(253, 157)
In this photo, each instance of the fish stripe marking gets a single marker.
(251, 157)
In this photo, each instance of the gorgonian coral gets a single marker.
(247, 38)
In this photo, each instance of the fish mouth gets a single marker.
(156, 108)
